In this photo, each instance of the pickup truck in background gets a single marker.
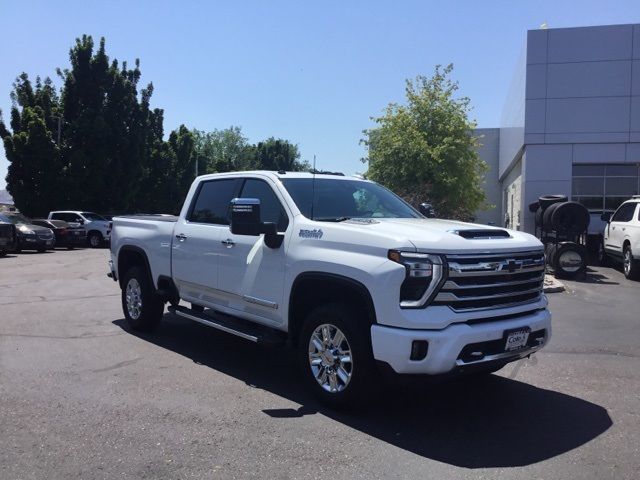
(342, 270)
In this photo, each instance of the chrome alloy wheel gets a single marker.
(627, 261)
(330, 358)
(134, 299)
(94, 241)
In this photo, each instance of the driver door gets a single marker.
(250, 274)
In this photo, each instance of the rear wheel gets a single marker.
(141, 306)
(570, 260)
(95, 239)
(630, 266)
(335, 355)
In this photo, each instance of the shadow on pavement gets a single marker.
(479, 423)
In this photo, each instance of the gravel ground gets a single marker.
(83, 397)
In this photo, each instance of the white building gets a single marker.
(570, 125)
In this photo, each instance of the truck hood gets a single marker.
(448, 236)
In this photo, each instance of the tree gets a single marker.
(34, 160)
(278, 154)
(425, 151)
(222, 150)
(91, 146)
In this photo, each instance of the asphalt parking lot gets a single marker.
(83, 397)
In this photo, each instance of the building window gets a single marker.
(603, 187)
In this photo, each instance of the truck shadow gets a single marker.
(493, 422)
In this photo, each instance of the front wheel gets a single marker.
(95, 239)
(335, 355)
(630, 266)
(141, 306)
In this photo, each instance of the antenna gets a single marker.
(313, 186)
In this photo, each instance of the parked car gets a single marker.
(29, 236)
(341, 269)
(66, 235)
(621, 237)
(7, 238)
(98, 228)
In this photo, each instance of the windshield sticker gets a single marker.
(316, 233)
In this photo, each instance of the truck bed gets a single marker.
(153, 234)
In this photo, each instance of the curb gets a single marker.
(551, 285)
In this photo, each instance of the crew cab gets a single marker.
(621, 237)
(97, 227)
(342, 270)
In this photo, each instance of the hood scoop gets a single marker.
(481, 233)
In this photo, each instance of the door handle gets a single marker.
(228, 243)
(613, 228)
(624, 228)
(181, 236)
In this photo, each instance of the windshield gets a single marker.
(337, 200)
(93, 217)
(16, 219)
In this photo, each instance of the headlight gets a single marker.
(424, 276)
(26, 231)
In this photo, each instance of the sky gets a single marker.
(313, 73)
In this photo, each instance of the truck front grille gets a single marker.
(477, 282)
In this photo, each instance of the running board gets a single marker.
(234, 326)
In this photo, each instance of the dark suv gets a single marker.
(29, 236)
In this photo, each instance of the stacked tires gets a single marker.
(561, 222)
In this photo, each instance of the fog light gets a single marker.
(419, 349)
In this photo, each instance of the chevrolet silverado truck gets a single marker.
(342, 270)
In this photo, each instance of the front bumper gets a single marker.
(393, 345)
(35, 243)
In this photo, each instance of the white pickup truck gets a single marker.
(341, 269)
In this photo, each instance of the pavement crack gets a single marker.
(118, 365)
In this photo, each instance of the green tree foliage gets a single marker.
(224, 150)
(278, 154)
(424, 149)
(98, 145)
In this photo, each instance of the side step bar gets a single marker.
(235, 326)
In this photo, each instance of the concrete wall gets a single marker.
(489, 151)
(582, 104)
(513, 119)
(512, 197)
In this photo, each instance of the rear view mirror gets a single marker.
(246, 220)
(427, 210)
(606, 217)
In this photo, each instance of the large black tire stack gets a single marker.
(560, 224)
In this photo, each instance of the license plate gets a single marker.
(49, 242)
(516, 339)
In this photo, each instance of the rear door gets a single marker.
(251, 275)
(195, 245)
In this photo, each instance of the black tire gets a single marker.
(630, 267)
(539, 215)
(3, 253)
(361, 369)
(148, 315)
(95, 239)
(71, 248)
(566, 263)
(570, 218)
(547, 200)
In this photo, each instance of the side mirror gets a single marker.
(427, 210)
(80, 221)
(606, 217)
(245, 220)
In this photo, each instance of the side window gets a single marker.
(270, 207)
(57, 216)
(624, 213)
(212, 202)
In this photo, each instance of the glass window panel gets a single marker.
(212, 203)
(588, 186)
(588, 170)
(611, 203)
(622, 170)
(622, 186)
(591, 203)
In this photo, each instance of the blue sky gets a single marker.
(310, 72)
